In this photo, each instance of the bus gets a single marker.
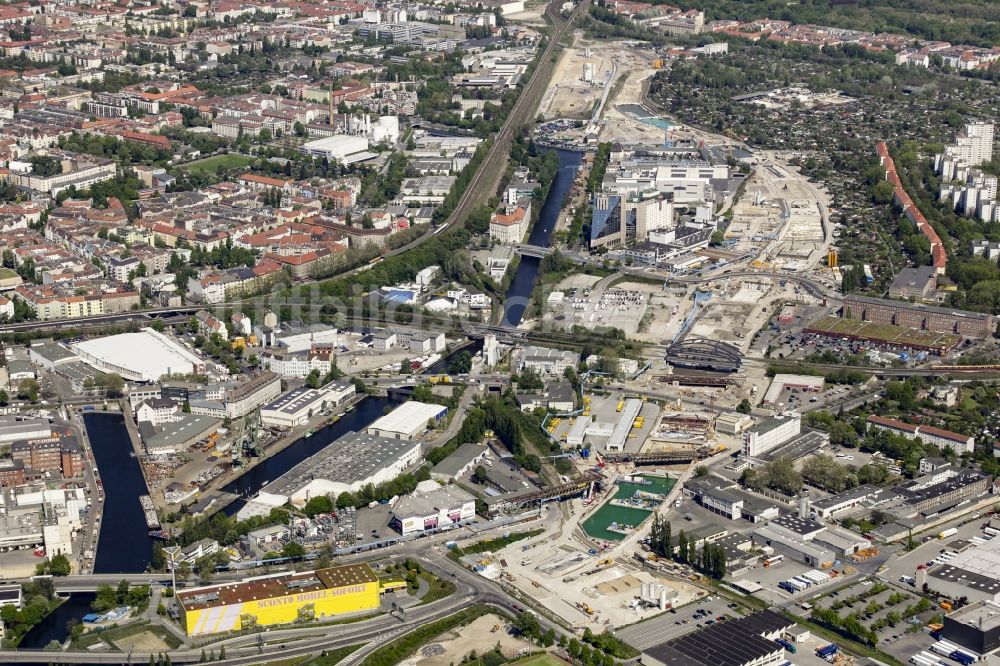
(774, 559)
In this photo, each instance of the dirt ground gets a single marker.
(569, 95)
(145, 641)
(452, 646)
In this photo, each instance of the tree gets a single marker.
(744, 407)
(293, 550)
(318, 504)
(28, 389)
(701, 470)
(60, 566)
(183, 571)
(479, 475)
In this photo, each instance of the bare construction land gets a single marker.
(579, 80)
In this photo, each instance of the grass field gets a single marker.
(541, 660)
(209, 165)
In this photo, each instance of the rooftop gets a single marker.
(984, 615)
(351, 458)
(425, 504)
(732, 643)
(408, 417)
(147, 354)
(462, 456)
(271, 587)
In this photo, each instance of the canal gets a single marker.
(125, 545)
(519, 294)
(253, 480)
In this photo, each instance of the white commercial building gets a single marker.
(408, 420)
(145, 356)
(335, 147)
(346, 465)
(443, 506)
(296, 407)
(624, 425)
(771, 434)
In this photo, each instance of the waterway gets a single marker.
(597, 524)
(125, 544)
(443, 366)
(270, 469)
(519, 293)
(54, 626)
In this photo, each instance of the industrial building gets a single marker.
(975, 627)
(266, 601)
(437, 507)
(141, 357)
(61, 453)
(463, 460)
(296, 407)
(336, 147)
(771, 434)
(13, 428)
(179, 435)
(974, 573)
(408, 420)
(347, 464)
(631, 409)
(547, 361)
(744, 641)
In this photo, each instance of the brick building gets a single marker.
(915, 315)
(61, 454)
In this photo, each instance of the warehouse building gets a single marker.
(744, 641)
(266, 601)
(831, 505)
(771, 434)
(142, 357)
(408, 420)
(974, 573)
(463, 460)
(296, 407)
(440, 507)
(975, 627)
(616, 442)
(179, 435)
(13, 428)
(347, 464)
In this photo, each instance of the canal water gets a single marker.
(55, 625)
(519, 293)
(357, 420)
(125, 545)
(598, 523)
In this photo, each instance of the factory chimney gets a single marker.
(803, 505)
(330, 99)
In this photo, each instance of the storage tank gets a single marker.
(588, 72)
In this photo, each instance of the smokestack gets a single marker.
(803, 506)
(330, 99)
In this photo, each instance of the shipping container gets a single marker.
(827, 651)
(951, 531)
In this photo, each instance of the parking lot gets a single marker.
(676, 622)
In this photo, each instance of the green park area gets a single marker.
(210, 165)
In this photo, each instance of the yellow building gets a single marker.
(281, 599)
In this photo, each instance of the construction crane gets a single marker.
(246, 444)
